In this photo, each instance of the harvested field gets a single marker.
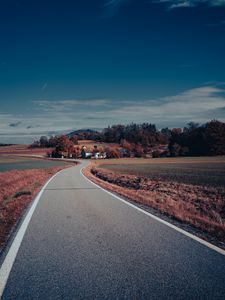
(197, 171)
(24, 150)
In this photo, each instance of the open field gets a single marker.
(23, 150)
(20, 163)
(190, 191)
(208, 171)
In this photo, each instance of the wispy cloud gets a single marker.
(44, 86)
(172, 4)
(199, 105)
(65, 105)
(14, 124)
(111, 6)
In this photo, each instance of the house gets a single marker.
(85, 154)
(99, 155)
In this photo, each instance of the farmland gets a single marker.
(19, 163)
(21, 157)
(189, 191)
(23, 150)
(198, 171)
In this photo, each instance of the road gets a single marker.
(83, 243)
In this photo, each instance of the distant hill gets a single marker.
(86, 134)
(82, 132)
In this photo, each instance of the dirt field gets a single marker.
(208, 171)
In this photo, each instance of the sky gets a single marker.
(73, 64)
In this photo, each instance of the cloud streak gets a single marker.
(172, 4)
(44, 86)
(112, 6)
(14, 124)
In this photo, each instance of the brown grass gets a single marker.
(24, 150)
(199, 206)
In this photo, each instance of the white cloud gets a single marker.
(199, 105)
(190, 3)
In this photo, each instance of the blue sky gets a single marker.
(70, 64)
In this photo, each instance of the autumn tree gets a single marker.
(64, 145)
(74, 140)
(139, 151)
(112, 152)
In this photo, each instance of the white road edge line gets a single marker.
(13, 250)
(201, 241)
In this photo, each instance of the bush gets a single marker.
(112, 153)
(155, 154)
(56, 154)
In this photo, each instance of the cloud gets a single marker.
(32, 126)
(172, 4)
(44, 86)
(65, 105)
(111, 6)
(198, 105)
(14, 124)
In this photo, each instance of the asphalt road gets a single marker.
(83, 243)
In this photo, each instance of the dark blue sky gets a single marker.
(77, 64)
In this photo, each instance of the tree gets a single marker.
(64, 145)
(174, 149)
(127, 146)
(195, 140)
(74, 140)
(138, 151)
(112, 152)
(215, 136)
(43, 141)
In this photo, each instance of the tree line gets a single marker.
(196, 140)
(142, 139)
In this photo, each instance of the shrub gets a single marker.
(112, 153)
(155, 154)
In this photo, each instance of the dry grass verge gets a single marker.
(200, 206)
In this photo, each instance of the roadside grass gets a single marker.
(17, 189)
(201, 206)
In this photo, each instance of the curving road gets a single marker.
(83, 243)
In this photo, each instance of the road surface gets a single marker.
(83, 243)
